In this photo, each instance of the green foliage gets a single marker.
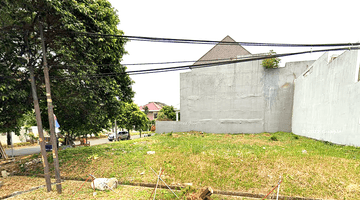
(274, 138)
(168, 166)
(271, 62)
(146, 110)
(14, 90)
(33, 137)
(85, 98)
(133, 118)
(167, 113)
(29, 119)
(232, 162)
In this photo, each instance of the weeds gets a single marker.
(241, 162)
(274, 138)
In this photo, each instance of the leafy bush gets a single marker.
(274, 138)
(271, 62)
(33, 138)
(167, 113)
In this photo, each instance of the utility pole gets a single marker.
(50, 113)
(40, 130)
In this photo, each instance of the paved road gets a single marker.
(20, 151)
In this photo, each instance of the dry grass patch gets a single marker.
(73, 190)
(239, 162)
(13, 184)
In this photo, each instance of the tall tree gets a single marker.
(133, 118)
(14, 88)
(85, 71)
(146, 110)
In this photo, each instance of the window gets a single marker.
(155, 115)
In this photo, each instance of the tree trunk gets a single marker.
(8, 136)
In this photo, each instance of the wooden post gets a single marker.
(2, 152)
(38, 121)
(40, 130)
(203, 194)
(50, 114)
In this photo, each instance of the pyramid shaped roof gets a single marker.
(223, 51)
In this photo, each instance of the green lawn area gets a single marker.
(249, 163)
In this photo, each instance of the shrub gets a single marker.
(274, 138)
(33, 138)
(167, 113)
(271, 62)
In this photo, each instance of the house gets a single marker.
(240, 97)
(153, 108)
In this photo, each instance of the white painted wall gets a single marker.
(21, 137)
(327, 100)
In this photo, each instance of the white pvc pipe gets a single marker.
(277, 195)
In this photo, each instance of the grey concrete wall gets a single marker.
(278, 89)
(326, 100)
(225, 98)
(236, 98)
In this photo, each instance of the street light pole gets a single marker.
(50, 114)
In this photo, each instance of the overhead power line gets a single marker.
(212, 42)
(186, 67)
(150, 63)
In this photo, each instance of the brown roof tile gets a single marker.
(223, 51)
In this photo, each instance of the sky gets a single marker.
(310, 22)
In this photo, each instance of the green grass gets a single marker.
(74, 190)
(233, 162)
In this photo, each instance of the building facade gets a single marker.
(327, 100)
(242, 97)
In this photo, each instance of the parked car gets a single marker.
(122, 135)
(48, 145)
(111, 137)
(147, 134)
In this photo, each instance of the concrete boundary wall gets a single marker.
(236, 98)
(327, 100)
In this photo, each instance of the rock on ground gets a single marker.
(104, 183)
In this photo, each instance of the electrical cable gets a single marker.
(212, 42)
(150, 63)
(186, 67)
